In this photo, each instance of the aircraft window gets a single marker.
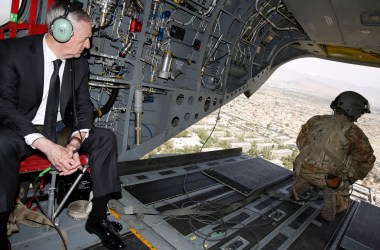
(190, 100)
(215, 101)
(200, 99)
(207, 104)
(187, 116)
(196, 116)
(180, 99)
(175, 121)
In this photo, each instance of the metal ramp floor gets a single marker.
(261, 220)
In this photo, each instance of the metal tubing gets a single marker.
(51, 199)
(138, 129)
(69, 192)
(138, 109)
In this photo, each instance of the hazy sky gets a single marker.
(353, 74)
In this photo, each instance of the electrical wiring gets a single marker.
(213, 129)
(218, 222)
(203, 219)
(212, 219)
(224, 228)
(221, 228)
(244, 227)
(205, 205)
(181, 23)
(210, 9)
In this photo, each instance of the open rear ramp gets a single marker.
(214, 200)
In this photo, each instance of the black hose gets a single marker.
(22, 8)
(107, 107)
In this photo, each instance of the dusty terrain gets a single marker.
(275, 107)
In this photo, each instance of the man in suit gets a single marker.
(26, 68)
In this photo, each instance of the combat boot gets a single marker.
(299, 187)
(328, 209)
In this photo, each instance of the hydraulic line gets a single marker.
(98, 113)
(138, 109)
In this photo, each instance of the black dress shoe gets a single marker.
(107, 234)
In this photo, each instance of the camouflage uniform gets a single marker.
(331, 144)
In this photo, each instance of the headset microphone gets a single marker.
(60, 27)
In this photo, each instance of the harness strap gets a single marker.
(32, 218)
(118, 207)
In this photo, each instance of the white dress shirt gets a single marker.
(49, 57)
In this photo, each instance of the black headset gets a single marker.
(60, 27)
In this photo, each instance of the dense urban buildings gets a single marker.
(266, 125)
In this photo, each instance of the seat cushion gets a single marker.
(34, 163)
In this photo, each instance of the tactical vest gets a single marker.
(325, 148)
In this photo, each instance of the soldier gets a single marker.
(334, 153)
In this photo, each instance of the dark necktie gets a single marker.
(52, 103)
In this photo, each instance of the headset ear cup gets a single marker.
(61, 29)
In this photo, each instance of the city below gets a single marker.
(266, 125)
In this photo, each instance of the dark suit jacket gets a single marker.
(21, 86)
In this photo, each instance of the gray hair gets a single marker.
(58, 9)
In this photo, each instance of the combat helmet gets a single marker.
(351, 103)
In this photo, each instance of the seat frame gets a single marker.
(35, 163)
